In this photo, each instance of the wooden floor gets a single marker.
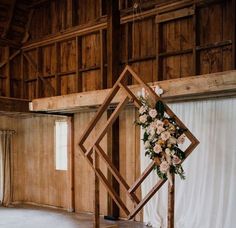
(36, 217)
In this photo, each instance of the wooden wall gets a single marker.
(35, 179)
(67, 49)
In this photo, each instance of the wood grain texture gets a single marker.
(212, 85)
(35, 179)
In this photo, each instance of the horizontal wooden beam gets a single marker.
(13, 105)
(220, 84)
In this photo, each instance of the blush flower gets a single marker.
(165, 135)
(159, 123)
(153, 113)
(160, 130)
(157, 148)
(176, 160)
(164, 167)
(142, 109)
(143, 118)
(181, 139)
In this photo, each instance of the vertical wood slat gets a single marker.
(103, 59)
(195, 72)
(23, 92)
(69, 14)
(71, 176)
(78, 53)
(57, 59)
(158, 42)
(38, 82)
(96, 190)
(234, 34)
(8, 76)
(171, 202)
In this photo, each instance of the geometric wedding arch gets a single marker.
(95, 151)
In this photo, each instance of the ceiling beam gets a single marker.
(206, 86)
(10, 16)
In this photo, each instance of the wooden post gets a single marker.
(8, 73)
(57, 77)
(171, 202)
(96, 191)
(23, 90)
(113, 62)
(79, 86)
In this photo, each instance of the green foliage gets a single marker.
(179, 153)
(145, 136)
(159, 173)
(160, 107)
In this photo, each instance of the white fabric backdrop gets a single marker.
(207, 198)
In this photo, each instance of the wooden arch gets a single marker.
(95, 151)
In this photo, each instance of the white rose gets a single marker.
(181, 139)
(165, 135)
(142, 109)
(164, 167)
(143, 118)
(172, 140)
(157, 148)
(168, 151)
(153, 113)
(176, 160)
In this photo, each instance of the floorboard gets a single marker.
(25, 216)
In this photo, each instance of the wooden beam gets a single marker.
(8, 72)
(175, 14)
(13, 105)
(113, 63)
(220, 84)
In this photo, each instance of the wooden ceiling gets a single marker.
(14, 17)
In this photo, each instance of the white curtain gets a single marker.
(207, 198)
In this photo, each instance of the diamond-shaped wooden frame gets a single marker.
(96, 148)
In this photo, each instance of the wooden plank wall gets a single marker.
(35, 179)
(67, 49)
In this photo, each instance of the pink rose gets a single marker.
(157, 148)
(160, 129)
(143, 118)
(165, 135)
(181, 139)
(176, 160)
(159, 123)
(164, 167)
(153, 113)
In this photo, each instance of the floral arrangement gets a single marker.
(162, 137)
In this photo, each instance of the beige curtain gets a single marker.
(5, 160)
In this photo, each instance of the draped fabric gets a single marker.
(207, 198)
(5, 168)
